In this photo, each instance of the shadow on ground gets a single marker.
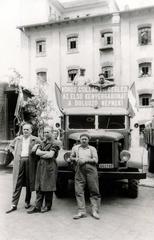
(6, 169)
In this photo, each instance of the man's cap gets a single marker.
(85, 135)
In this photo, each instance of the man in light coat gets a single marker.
(24, 166)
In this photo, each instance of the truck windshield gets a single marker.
(111, 122)
(82, 121)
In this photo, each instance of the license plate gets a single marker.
(105, 165)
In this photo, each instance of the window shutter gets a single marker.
(139, 36)
(111, 39)
(149, 35)
(43, 47)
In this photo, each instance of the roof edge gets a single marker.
(61, 21)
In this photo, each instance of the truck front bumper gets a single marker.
(108, 174)
(122, 175)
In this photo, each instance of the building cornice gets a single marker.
(76, 19)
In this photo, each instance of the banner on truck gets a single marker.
(85, 96)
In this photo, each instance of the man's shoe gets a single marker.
(45, 209)
(95, 215)
(13, 208)
(33, 210)
(27, 205)
(80, 215)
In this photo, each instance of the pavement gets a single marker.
(140, 154)
(149, 181)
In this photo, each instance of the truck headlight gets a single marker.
(125, 156)
(67, 157)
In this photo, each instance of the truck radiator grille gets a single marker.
(104, 150)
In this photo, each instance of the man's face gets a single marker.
(47, 133)
(84, 141)
(27, 130)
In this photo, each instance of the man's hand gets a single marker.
(81, 161)
(73, 159)
(91, 160)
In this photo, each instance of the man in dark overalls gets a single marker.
(46, 174)
(86, 158)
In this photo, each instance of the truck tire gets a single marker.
(151, 159)
(8, 161)
(5, 158)
(133, 188)
(62, 187)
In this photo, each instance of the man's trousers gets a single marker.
(87, 174)
(40, 196)
(23, 178)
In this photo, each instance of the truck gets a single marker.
(105, 114)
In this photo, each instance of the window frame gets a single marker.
(104, 37)
(70, 40)
(144, 65)
(109, 68)
(72, 69)
(145, 97)
(41, 71)
(41, 43)
(147, 29)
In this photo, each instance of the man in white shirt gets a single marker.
(24, 166)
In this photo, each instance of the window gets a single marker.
(82, 72)
(144, 99)
(107, 38)
(71, 74)
(144, 35)
(72, 43)
(145, 69)
(111, 122)
(41, 77)
(41, 47)
(108, 72)
(82, 121)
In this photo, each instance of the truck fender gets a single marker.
(135, 164)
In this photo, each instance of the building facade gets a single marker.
(88, 38)
(137, 64)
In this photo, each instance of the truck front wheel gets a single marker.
(133, 188)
